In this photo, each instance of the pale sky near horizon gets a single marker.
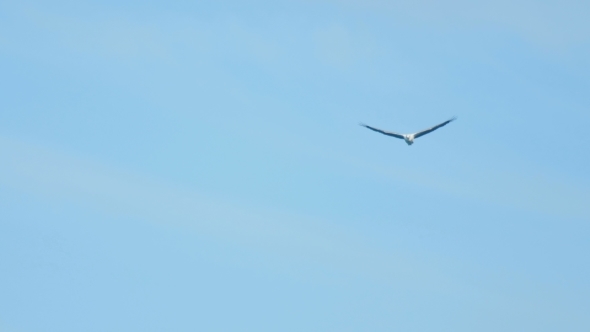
(198, 166)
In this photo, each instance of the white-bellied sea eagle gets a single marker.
(409, 138)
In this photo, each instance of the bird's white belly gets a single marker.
(409, 140)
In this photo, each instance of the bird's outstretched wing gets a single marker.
(388, 133)
(429, 130)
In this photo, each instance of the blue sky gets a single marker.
(182, 166)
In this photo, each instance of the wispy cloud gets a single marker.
(305, 245)
(61, 178)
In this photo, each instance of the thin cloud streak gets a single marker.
(61, 178)
(301, 247)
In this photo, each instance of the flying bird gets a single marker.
(409, 138)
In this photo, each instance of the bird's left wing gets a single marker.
(388, 133)
(429, 130)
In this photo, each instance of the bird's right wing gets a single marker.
(388, 133)
(429, 130)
